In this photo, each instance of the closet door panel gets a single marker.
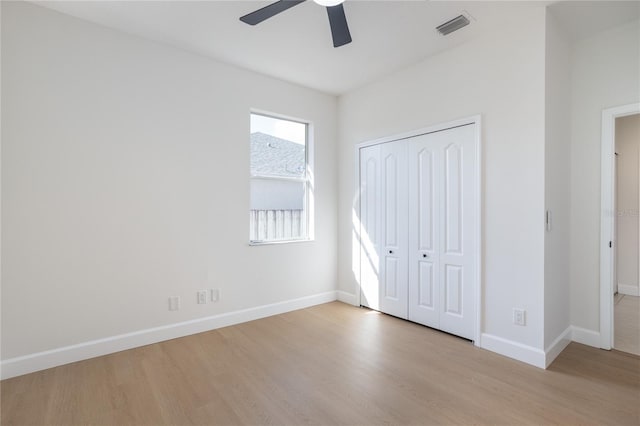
(368, 233)
(453, 290)
(391, 278)
(452, 250)
(391, 195)
(457, 313)
(394, 289)
(453, 199)
(424, 176)
(424, 291)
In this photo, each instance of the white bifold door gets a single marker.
(417, 229)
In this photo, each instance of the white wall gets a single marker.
(125, 180)
(501, 78)
(627, 168)
(605, 73)
(557, 180)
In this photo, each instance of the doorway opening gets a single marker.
(620, 230)
(626, 305)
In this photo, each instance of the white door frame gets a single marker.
(477, 205)
(607, 218)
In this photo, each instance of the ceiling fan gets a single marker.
(337, 19)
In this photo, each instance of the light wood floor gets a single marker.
(328, 365)
(626, 326)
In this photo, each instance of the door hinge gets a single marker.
(609, 244)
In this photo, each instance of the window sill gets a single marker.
(268, 243)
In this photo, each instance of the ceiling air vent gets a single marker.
(453, 25)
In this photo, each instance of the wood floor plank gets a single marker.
(331, 364)
(627, 324)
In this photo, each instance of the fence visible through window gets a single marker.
(274, 225)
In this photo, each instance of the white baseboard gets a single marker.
(515, 350)
(351, 299)
(586, 337)
(629, 290)
(557, 346)
(42, 360)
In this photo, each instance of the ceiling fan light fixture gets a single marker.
(328, 3)
(337, 19)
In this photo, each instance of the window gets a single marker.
(281, 193)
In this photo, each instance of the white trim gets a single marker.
(477, 121)
(535, 356)
(280, 178)
(515, 350)
(586, 337)
(272, 242)
(478, 225)
(526, 353)
(629, 290)
(356, 208)
(348, 298)
(607, 218)
(271, 114)
(558, 345)
(310, 189)
(308, 180)
(42, 360)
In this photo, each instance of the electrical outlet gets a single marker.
(215, 295)
(174, 303)
(519, 316)
(202, 297)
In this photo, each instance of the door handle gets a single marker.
(390, 251)
(425, 255)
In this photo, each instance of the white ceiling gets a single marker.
(296, 45)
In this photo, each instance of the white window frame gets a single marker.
(308, 180)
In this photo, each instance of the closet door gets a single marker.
(425, 169)
(457, 239)
(442, 244)
(393, 290)
(369, 233)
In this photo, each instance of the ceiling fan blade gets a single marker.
(339, 27)
(267, 12)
